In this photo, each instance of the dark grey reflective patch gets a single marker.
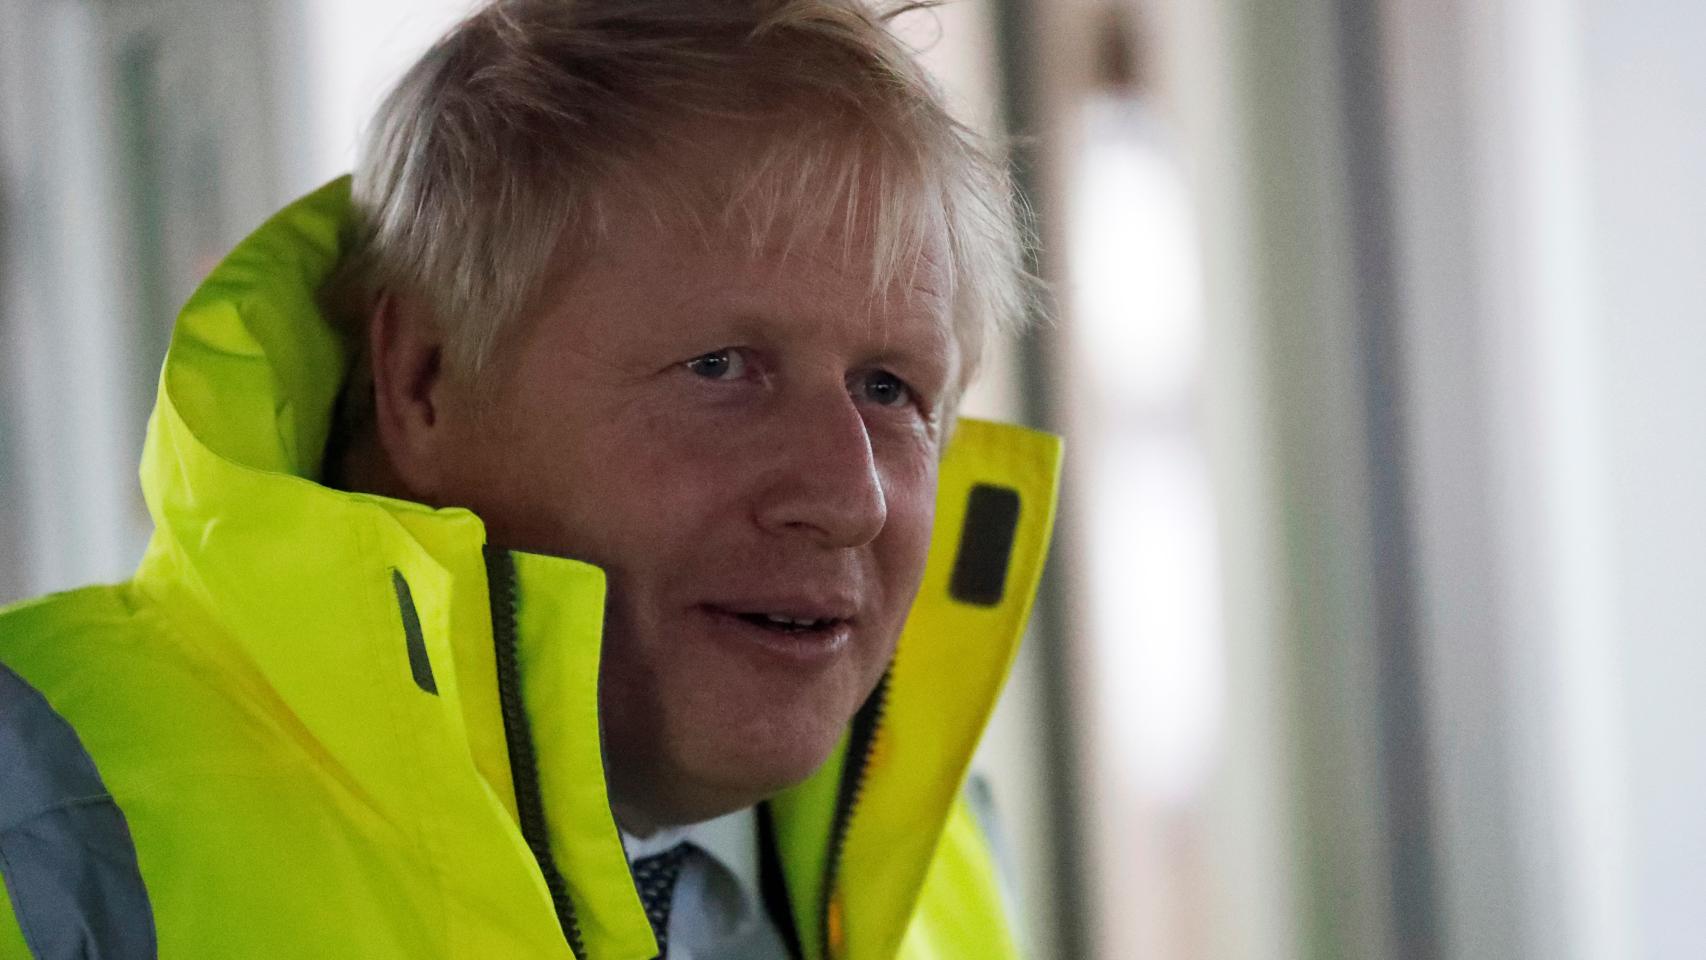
(419, 665)
(986, 545)
(65, 851)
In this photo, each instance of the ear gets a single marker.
(409, 386)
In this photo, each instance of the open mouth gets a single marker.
(795, 635)
(786, 624)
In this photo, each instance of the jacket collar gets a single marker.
(303, 579)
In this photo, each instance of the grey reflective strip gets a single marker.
(986, 546)
(65, 852)
(419, 665)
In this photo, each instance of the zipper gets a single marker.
(773, 884)
(861, 739)
(523, 764)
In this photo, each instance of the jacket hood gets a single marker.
(315, 589)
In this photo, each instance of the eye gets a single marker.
(884, 389)
(729, 364)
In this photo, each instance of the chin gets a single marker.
(719, 775)
(719, 726)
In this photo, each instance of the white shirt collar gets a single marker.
(731, 840)
(718, 910)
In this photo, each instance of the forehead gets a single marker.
(823, 193)
(673, 274)
(760, 210)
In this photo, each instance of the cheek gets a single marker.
(534, 479)
(631, 494)
(911, 498)
(482, 465)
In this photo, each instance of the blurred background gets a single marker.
(1376, 620)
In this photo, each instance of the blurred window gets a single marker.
(1150, 601)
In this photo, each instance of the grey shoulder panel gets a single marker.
(65, 851)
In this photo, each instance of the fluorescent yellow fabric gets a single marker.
(293, 792)
(11, 938)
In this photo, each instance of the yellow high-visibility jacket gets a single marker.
(329, 724)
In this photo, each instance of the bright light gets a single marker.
(1153, 585)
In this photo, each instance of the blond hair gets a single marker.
(496, 154)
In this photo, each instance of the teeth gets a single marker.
(789, 621)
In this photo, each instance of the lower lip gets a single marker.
(804, 647)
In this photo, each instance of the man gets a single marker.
(560, 547)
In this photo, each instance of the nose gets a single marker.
(824, 482)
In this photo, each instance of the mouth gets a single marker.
(782, 623)
(797, 635)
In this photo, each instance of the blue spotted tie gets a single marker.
(655, 877)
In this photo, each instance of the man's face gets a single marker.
(748, 447)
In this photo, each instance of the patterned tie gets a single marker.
(655, 877)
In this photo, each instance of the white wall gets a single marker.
(1550, 174)
(354, 52)
(70, 493)
(1645, 127)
